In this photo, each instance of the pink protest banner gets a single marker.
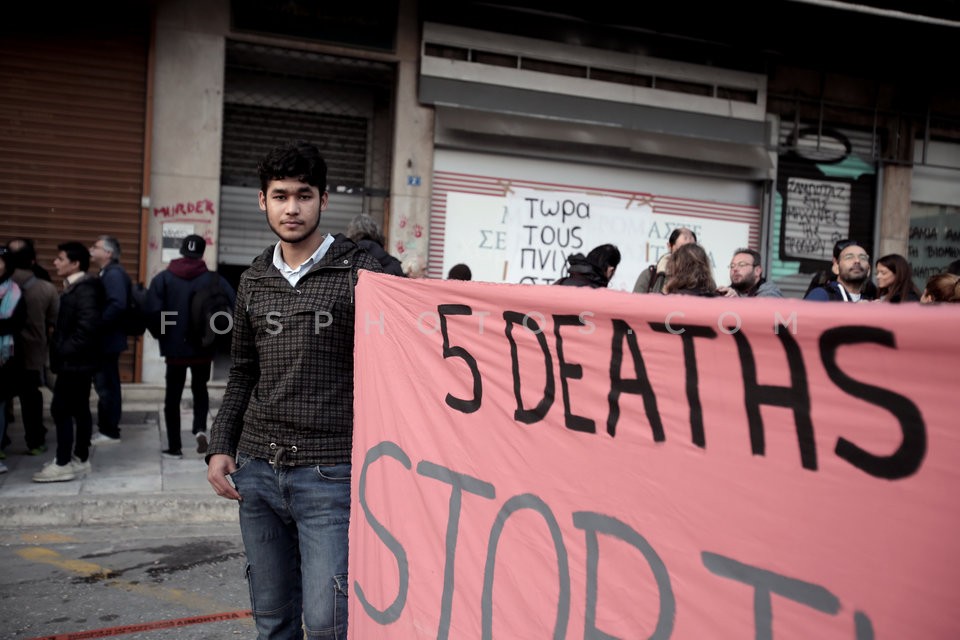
(552, 462)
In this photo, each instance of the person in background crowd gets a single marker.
(652, 279)
(690, 273)
(851, 264)
(171, 291)
(746, 277)
(25, 248)
(895, 280)
(459, 272)
(826, 276)
(594, 270)
(42, 303)
(75, 352)
(413, 266)
(281, 442)
(943, 287)
(365, 231)
(105, 253)
(13, 317)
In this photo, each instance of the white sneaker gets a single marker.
(3, 468)
(103, 439)
(53, 472)
(80, 469)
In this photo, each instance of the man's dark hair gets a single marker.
(679, 231)
(843, 244)
(606, 255)
(754, 255)
(76, 252)
(298, 159)
(459, 272)
(953, 268)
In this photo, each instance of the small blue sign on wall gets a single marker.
(413, 181)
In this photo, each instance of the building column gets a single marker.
(410, 182)
(895, 210)
(187, 131)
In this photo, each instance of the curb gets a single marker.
(193, 508)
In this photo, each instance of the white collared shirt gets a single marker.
(73, 277)
(293, 275)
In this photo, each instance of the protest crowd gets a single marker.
(280, 444)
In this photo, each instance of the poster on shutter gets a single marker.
(934, 240)
(173, 235)
(817, 215)
(545, 228)
(478, 230)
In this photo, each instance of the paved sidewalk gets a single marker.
(131, 482)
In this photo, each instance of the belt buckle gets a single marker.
(279, 455)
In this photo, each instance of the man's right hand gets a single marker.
(218, 470)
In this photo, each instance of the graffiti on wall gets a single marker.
(934, 240)
(202, 207)
(817, 215)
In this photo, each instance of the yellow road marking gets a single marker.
(46, 538)
(90, 569)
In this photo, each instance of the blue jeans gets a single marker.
(294, 522)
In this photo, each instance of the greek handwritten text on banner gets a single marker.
(538, 461)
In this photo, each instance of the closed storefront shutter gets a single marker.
(273, 96)
(72, 116)
(249, 133)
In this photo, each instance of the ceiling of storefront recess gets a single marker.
(884, 36)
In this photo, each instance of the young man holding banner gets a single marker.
(281, 442)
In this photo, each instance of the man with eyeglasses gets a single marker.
(105, 253)
(746, 278)
(851, 263)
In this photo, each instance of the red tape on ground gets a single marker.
(148, 626)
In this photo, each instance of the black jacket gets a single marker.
(390, 264)
(171, 291)
(583, 273)
(77, 341)
(291, 383)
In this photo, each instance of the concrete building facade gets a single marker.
(431, 117)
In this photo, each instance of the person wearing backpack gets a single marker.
(105, 253)
(174, 299)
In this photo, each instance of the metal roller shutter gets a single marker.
(72, 117)
(247, 234)
(274, 95)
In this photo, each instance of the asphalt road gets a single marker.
(152, 582)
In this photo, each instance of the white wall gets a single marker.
(187, 128)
